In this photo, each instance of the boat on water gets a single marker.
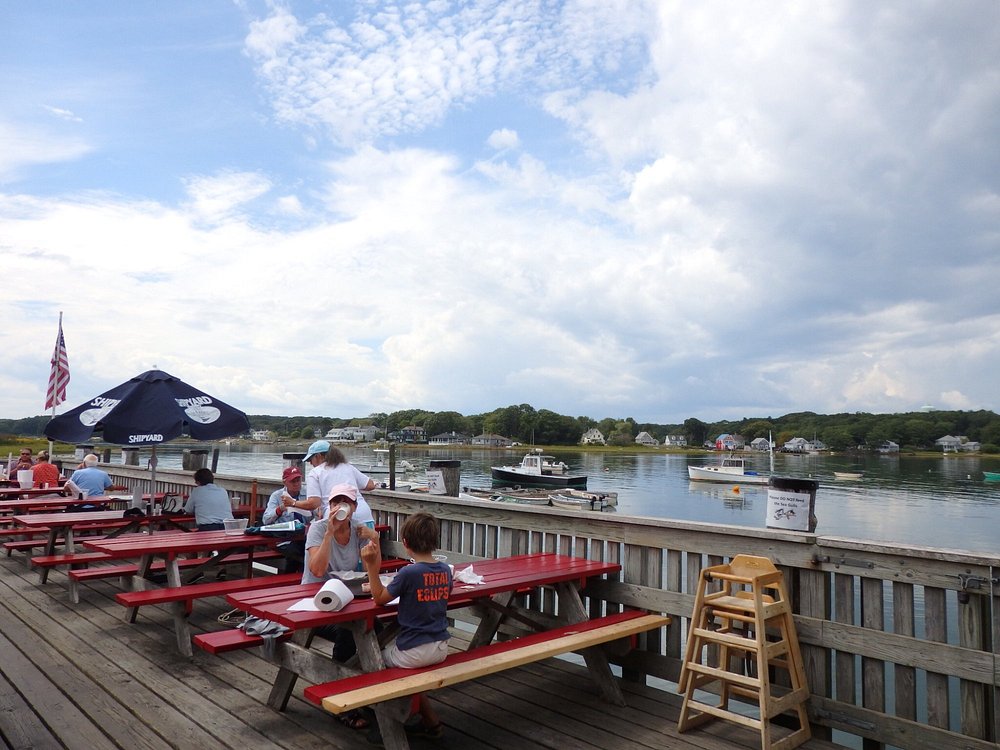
(847, 475)
(537, 470)
(991, 476)
(584, 499)
(520, 495)
(379, 465)
(730, 469)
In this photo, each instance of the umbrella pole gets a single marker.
(152, 487)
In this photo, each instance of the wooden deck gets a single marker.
(79, 676)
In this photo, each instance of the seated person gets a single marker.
(90, 478)
(423, 588)
(23, 462)
(278, 510)
(333, 544)
(45, 472)
(208, 502)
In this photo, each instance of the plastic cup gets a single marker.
(342, 512)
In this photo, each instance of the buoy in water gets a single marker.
(736, 489)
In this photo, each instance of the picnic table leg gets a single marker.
(281, 691)
(139, 583)
(572, 611)
(50, 549)
(390, 714)
(69, 546)
(490, 620)
(179, 609)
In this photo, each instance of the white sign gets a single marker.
(435, 482)
(788, 510)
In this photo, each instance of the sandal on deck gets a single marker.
(355, 719)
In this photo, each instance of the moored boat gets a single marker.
(380, 465)
(537, 470)
(731, 469)
(847, 475)
(584, 499)
(991, 476)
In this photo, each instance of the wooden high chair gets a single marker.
(741, 636)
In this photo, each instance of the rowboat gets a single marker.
(584, 500)
(847, 475)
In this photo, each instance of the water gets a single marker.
(939, 501)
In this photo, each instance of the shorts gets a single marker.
(419, 656)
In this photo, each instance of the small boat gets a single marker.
(731, 469)
(847, 475)
(584, 500)
(991, 476)
(380, 465)
(537, 470)
(520, 495)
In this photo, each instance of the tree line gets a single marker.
(525, 424)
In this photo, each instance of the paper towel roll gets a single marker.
(332, 596)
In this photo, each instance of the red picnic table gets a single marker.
(504, 578)
(16, 492)
(170, 545)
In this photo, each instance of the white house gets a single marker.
(795, 445)
(675, 441)
(496, 441)
(644, 438)
(593, 436)
(953, 444)
(888, 447)
(264, 436)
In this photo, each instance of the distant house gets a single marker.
(795, 445)
(413, 434)
(449, 438)
(888, 447)
(264, 436)
(727, 442)
(593, 436)
(760, 444)
(675, 441)
(953, 444)
(644, 438)
(492, 441)
(340, 435)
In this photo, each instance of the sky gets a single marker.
(604, 208)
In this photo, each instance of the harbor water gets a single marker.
(939, 501)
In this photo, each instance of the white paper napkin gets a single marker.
(468, 575)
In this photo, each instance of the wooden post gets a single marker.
(392, 466)
(253, 503)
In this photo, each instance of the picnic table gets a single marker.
(16, 492)
(494, 598)
(213, 547)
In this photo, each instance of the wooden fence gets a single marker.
(900, 644)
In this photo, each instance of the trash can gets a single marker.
(443, 477)
(791, 504)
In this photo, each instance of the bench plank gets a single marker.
(224, 641)
(202, 590)
(343, 695)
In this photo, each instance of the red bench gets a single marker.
(224, 641)
(187, 594)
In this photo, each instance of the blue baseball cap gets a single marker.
(320, 446)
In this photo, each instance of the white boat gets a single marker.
(519, 495)
(731, 469)
(536, 470)
(584, 500)
(847, 475)
(380, 465)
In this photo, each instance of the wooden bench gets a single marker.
(345, 694)
(187, 594)
(128, 570)
(72, 558)
(234, 639)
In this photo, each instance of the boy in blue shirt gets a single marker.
(423, 588)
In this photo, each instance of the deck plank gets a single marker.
(116, 685)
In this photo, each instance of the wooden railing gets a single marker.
(901, 645)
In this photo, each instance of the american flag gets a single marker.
(59, 376)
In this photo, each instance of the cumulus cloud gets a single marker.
(503, 139)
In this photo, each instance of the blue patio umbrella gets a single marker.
(149, 409)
